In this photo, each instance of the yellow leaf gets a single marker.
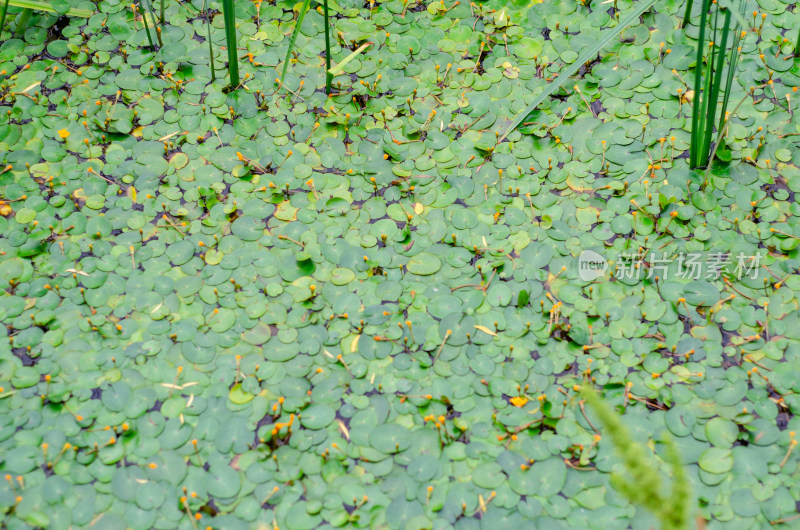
(5, 209)
(519, 401)
(486, 330)
(418, 208)
(79, 194)
(63, 133)
(132, 194)
(286, 212)
(354, 344)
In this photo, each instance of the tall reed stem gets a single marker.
(688, 13)
(230, 38)
(713, 88)
(328, 74)
(3, 16)
(210, 45)
(300, 16)
(24, 20)
(796, 44)
(698, 79)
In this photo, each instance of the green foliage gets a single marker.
(273, 301)
(643, 484)
(720, 49)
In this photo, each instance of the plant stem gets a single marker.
(230, 38)
(796, 44)
(328, 74)
(24, 18)
(153, 19)
(147, 29)
(300, 16)
(3, 16)
(161, 15)
(715, 89)
(698, 79)
(723, 129)
(210, 47)
(687, 13)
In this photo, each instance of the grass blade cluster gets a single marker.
(147, 28)
(718, 48)
(292, 40)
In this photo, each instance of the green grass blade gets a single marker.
(708, 83)
(715, 89)
(46, 6)
(292, 40)
(732, 62)
(588, 55)
(703, 105)
(338, 69)
(230, 38)
(739, 22)
(698, 79)
(3, 16)
(328, 73)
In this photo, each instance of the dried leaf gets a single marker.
(486, 330)
(343, 428)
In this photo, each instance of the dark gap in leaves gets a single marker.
(22, 355)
